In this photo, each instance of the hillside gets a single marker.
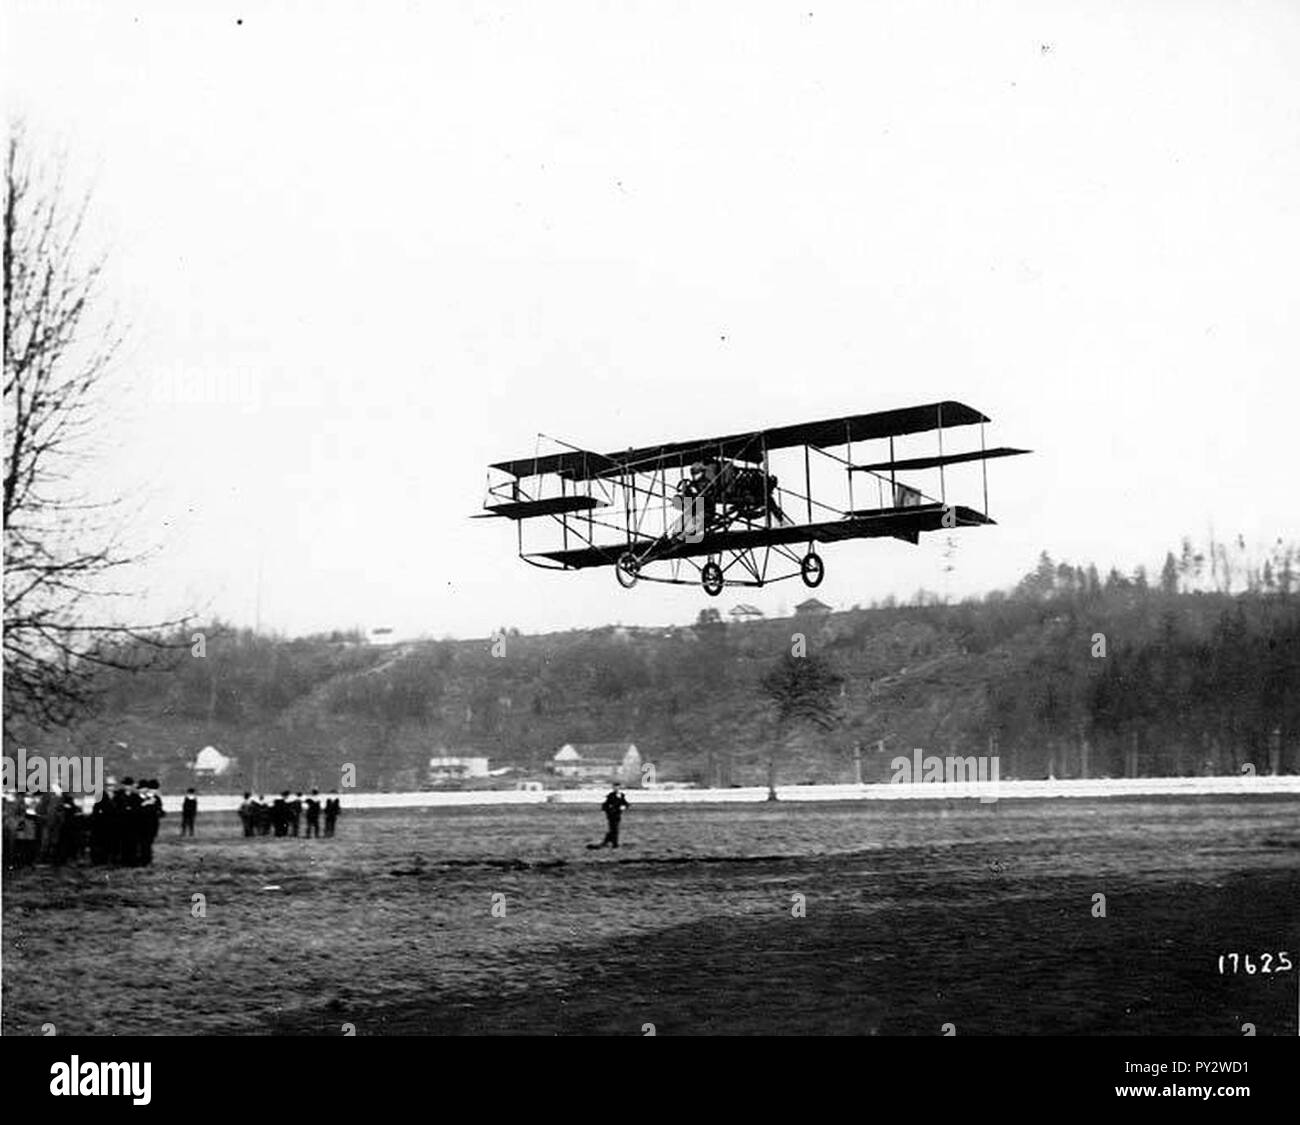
(1065, 676)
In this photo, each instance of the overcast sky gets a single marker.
(366, 249)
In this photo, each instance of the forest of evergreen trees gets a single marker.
(1130, 680)
(1068, 674)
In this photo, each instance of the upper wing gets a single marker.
(882, 424)
(582, 465)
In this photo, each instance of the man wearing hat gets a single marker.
(313, 814)
(613, 808)
(151, 812)
(280, 814)
(332, 809)
(126, 814)
(103, 825)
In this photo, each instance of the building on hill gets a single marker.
(745, 612)
(599, 761)
(456, 768)
(811, 607)
(211, 762)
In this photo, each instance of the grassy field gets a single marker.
(917, 915)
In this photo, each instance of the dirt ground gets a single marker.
(914, 915)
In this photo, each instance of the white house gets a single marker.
(211, 762)
(599, 761)
(454, 769)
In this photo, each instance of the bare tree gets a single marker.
(62, 548)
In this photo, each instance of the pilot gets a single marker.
(714, 480)
(695, 499)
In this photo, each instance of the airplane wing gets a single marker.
(900, 523)
(583, 465)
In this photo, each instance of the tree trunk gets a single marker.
(776, 749)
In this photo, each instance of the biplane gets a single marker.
(724, 512)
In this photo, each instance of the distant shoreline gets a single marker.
(1287, 785)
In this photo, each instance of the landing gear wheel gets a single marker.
(811, 569)
(626, 570)
(711, 578)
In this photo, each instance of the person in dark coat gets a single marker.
(248, 814)
(126, 812)
(313, 814)
(150, 813)
(190, 810)
(332, 810)
(295, 815)
(103, 826)
(280, 814)
(613, 808)
(263, 815)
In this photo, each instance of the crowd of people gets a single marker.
(284, 815)
(122, 823)
(51, 827)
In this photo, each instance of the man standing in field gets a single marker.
(126, 812)
(150, 813)
(313, 815)
(280, 814)
(613, 808)
(104, 828)
(190, 810)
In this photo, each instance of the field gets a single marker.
(916, 915)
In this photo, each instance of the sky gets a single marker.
(364, 250)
